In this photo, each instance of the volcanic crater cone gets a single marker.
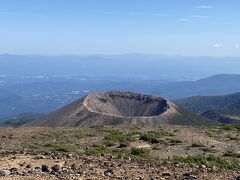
(115, 107)
(126, 104)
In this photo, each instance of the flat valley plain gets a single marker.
(120, 152)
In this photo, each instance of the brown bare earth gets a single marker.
(120, 152)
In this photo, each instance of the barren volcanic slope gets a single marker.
(119, 108)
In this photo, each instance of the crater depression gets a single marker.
(126, 104)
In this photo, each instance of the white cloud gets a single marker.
(217, 45)
(200, 17)
(159, 14)
(204, 7)
(183, 19)
(236, 46)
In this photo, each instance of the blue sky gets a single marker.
(172, 27)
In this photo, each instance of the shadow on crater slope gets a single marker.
(126, 104)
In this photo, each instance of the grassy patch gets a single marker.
(209, 161)
(150, 137)
(79, 134)
(197, 144)
(97, 150)
(139, 153)
(229, 127)
(233, 137)
(175, 142)
(117, 136)
(226, 127)
(153, 136)
(62, 147)
(232, 153)
(32, 147)
(208, 149)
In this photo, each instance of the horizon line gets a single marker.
(116, 54)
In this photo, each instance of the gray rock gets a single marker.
(73, 166)
(29, 166)
(56, 168)
(191, 176)
(166, 174)
(45, 168)
(13, 169)
(5, 172)
(108, 172)
(37, 169)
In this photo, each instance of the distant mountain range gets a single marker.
(215, 85)
(174, 68)
(20, 119)
(46, 96)
(225, 109)
(201, 104)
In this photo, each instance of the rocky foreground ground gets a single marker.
(69, 166)
(123, 152)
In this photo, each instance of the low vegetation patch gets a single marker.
(119, 137)
(32, 147)
(229, 127)
(62, 147)
(232, 153)
(208, 149)
(96, 150)
(175, 142)
(226, 127)
(233, 137)
(197, 144)
(153, 136)
(139, 153)
(209, 161)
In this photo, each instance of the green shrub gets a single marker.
(96, 150)
(232, 153)
(116, 136)
(197, 144)
(208, 149)
(122, 145)
(209, 161)
(175, 141)
(138, 151)
(153, 136)
(150, 137)
(32, 147)
(109, 143)
(62, 147)
(79, 134)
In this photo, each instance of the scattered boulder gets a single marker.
(191, 177)
(108, 172)
(56, 168)
(166, 174)
(13, 169)
(45, 168)
(73, 166)
(203, 166)
(29, 166)
(5, 172)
